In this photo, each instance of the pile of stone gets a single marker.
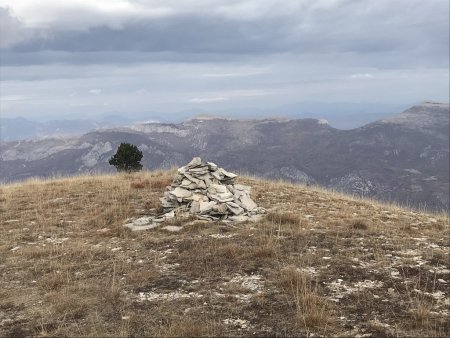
(206, 191)
(209, 192)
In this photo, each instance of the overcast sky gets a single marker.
(85, 57)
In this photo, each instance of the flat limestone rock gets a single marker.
(197, 197)
(247, 203)
(181, 193)
(217, 189)
(217, 175)
(172, 228)
(192, 178)
(208, 218)
(141, 227)
(196, 161)
(187, 184)
(225, 197)
(240, 218)
(168, 215)
(165, 203)
(212, 166)
(198, 171)
(195, 207)
(226, 173)
(220, 208)
(206, 206)
(235, 208)
(143, 223)
(241, 187)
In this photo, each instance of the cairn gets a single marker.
(206, 191)
(209, 192)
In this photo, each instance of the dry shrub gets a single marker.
(231, 251)
(201, 258)
(436, 257)
(110, 296)
(54, 280)
(141, 184)
(140, 278)
(265, 247)
(312, 310)
(69, 305)
(42, 252)
(284, 218)
(378, 329)
(234, 288)
(179, 221)
(197, 225)
(160, 183)
(189, 327)
(152, 202)
(261, 252)
(420, 312)
(358, 224)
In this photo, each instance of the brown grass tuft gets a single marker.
(312, 310)
(160, 183)
(420, 312)
(141, 184)
(284, 218)
(188, 327)
(359, 224)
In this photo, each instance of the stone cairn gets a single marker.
(206, 191)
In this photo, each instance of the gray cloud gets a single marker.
(213, 53)
(417, 29)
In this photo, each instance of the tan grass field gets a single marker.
(319, 264)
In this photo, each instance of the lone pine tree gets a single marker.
(127, 158)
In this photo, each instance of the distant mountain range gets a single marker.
(20, 128)
(339, 115)
(402, 158)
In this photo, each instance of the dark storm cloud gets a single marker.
(354, 27)
(182, 34)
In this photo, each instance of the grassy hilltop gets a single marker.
(319, 264)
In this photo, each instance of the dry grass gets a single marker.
(320, 263)
(312, 311)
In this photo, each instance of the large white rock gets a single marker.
(206, 206)
(196, 161)
(235, 208)
(181, 193)
(247, 203)
(143, 223)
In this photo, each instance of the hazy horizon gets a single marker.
(83, 58)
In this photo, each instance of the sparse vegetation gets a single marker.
(320, 263)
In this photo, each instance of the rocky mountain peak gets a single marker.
(423, 116)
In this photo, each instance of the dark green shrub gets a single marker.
(127, 158)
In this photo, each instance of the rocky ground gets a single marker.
(318, 264)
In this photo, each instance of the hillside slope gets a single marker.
(404, 158)
(320, 263)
